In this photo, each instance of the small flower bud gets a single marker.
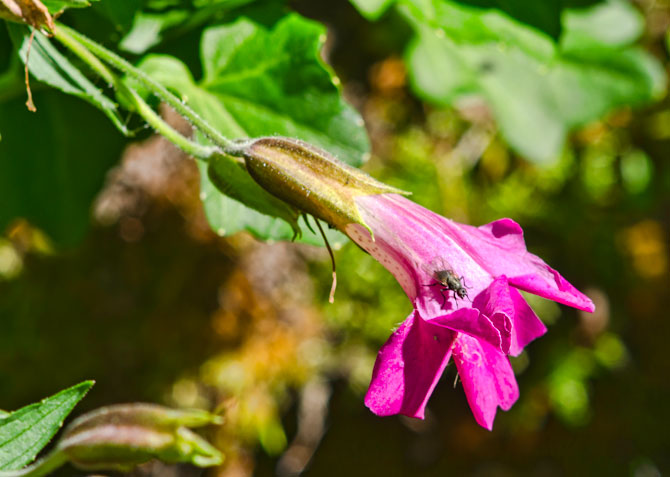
(310, 179)
(122, 436)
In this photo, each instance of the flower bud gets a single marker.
(122, 436)
(310, 179)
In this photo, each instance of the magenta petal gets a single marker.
(420, 238)
(510, 313)
(408, 367)
(507, 233)
(487, 376)
(553, 286)
(527, 326)
(496, 303)
(442, 265)
(502, 242)
(471, 322)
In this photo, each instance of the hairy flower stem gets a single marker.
(164, 129)
(192, 148)
(42, 467)
(61, 34)
(155, 87)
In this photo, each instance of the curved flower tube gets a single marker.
(492, 264)
(463, 281)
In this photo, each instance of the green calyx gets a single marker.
(310, 179)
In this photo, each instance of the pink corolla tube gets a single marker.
(479, 330)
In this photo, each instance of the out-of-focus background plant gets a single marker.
(552, 113)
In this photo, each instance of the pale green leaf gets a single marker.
(48, 65)
(372, 9)
(147, 29)
(56, 6)
(538, 88)
(613, 23)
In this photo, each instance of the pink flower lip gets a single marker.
(414, 244)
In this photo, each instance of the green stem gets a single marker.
(99, 67)
(85, 55)
(143, 109)
(155, 87)
(150, 116)
(40, 468)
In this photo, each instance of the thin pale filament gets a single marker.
(331, 297)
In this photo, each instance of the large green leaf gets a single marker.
(25, 432)
(53, 163)
(48, 65)
(538, 88)
(272, 81)
(259, 81)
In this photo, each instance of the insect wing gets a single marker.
(437, 264)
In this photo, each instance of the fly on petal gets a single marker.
(464, 283)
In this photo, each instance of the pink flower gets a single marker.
(414, 243)
(440, 264)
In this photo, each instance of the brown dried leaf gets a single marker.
(31, 12)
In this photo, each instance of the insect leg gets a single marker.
(444, 298)
(455, 299)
